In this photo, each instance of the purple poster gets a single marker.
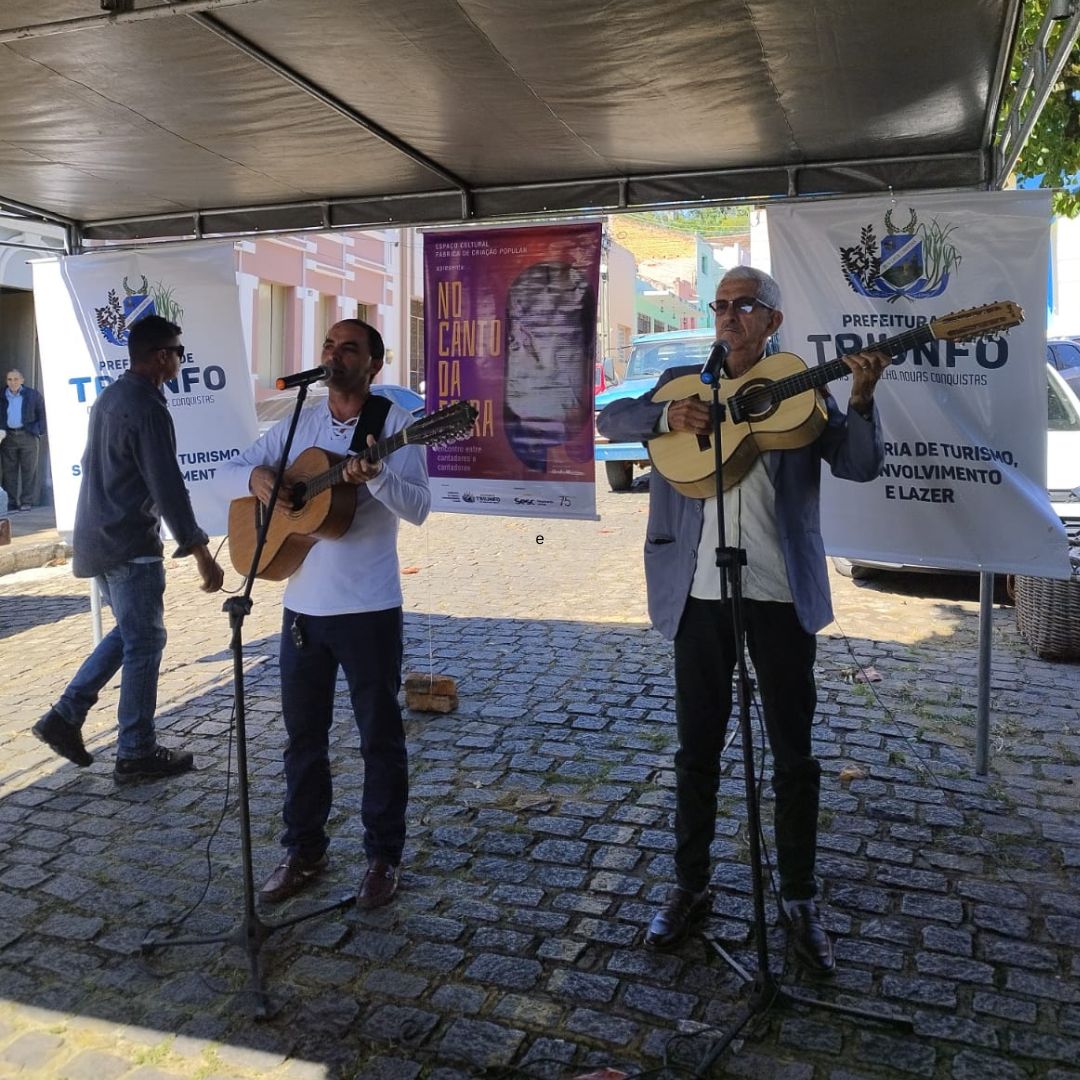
(510, 325)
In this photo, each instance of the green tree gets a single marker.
(1053, 149)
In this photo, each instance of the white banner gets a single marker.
(85, 304)
(964, 484)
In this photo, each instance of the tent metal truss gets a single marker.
(1038, 75)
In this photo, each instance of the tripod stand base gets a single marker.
(767, 992)
(249, 934)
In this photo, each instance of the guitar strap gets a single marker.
(372, 417)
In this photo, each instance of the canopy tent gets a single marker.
(178, 119)
(223, 117)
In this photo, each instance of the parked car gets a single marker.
(408, 399)
(1063, 449)
(651, 355)
(1062, 471)
(1063, 354)
(604, 375)
(272, 409)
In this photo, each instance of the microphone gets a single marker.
(712, 367)
(302, 378)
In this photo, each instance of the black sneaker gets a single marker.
(62, 738)
(156, 766)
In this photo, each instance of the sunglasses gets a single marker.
(742, 304)
(178, 349)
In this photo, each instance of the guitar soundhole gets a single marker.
(755, 401)
(704, 443)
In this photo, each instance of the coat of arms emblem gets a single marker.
(115, 317)
(914, 261)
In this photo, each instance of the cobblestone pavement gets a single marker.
(540, 841)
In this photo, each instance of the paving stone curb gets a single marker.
(30, 556)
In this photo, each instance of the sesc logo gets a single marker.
(913, 262)
(117, 316)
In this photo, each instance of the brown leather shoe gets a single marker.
(293, 873)
(378, 886)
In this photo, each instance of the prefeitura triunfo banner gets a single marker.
(964, 484)
(85, 305)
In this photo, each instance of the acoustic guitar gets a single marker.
(775, 405)
(324, 504)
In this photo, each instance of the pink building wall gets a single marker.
(320, 278)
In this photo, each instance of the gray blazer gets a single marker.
(852, 446)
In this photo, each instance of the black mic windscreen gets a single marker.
(714, 365)
(303, 378)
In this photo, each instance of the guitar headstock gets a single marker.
(976, 322)
(445, 426)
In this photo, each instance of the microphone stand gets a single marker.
(251, 931)
(765, 988)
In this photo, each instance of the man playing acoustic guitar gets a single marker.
(343, 609)
(772, 513)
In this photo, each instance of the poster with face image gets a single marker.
(510, 325)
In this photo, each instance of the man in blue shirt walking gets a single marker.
(130, 480)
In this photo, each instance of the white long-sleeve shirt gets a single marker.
(359, 571)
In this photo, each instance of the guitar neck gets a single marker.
(382, 449)
(447, 425)
(812, 378)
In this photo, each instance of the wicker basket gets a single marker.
(1048, 616)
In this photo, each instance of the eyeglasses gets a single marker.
(178, 349)
(742, 304)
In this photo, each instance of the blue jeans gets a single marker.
(135, 592)
(368, 648)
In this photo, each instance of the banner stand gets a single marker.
(95, 611)
(982, 714)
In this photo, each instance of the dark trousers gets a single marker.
(783, 656)
(368, 649)
(18, 463)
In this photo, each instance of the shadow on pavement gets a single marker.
(941, 586)
(22, 612)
